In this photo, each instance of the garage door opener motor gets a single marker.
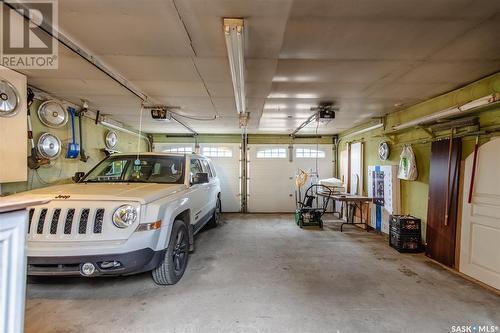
(311, 209)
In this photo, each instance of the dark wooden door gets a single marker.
(442, 215)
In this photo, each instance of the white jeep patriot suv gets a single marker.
(129, 214)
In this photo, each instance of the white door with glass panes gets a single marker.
(271, 172)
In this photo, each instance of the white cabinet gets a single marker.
(13, 221)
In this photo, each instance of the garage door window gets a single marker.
(179, 150)
(271, 153)
(309, 153)
(217, 152)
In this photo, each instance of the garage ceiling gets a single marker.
(366, 56)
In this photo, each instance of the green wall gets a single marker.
(61, 170)
(414, 194)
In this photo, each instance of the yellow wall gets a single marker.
(62, 169)
(414, 194)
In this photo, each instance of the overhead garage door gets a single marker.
(271, 183)
(226, 159)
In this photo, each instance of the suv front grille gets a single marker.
(55, 221)
(99, 217)
(84, 216)
(65, 218)
(41, 221)
(69, 221)
(30, 218)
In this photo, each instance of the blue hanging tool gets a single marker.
(73, 147)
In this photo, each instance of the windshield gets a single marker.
(146, 169)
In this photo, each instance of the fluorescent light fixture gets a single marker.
(233, 31)
(453, 111)
(364, 130)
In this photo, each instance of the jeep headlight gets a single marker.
(124, 216)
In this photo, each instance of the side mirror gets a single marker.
(200, 178)
(78, 176)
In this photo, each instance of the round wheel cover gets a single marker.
(9, 99)
(49, 146)
(111, 139)
(52, 114)
(383, 151)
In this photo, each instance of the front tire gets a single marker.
(172, 268)
(216, 220)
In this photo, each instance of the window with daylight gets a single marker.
(271, 153)
(179, 150)
(309, 153)
(217, 152)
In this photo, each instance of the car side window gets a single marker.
(212, 168)
(195, 166)
(207, 168)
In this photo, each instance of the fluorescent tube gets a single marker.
(233, 32)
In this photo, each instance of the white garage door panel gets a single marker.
(480, 238)
(271, 187)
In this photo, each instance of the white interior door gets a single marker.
(480, 238)
(271, 184)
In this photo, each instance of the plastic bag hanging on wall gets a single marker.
(407, 164)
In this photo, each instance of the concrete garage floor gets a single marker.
(261, 273)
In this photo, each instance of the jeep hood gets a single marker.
(140, 192)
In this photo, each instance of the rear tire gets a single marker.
(174, 263)
(216, 220)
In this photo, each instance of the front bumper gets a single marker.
(130, 263)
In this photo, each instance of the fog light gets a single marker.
(110, 264)
(87, 269)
